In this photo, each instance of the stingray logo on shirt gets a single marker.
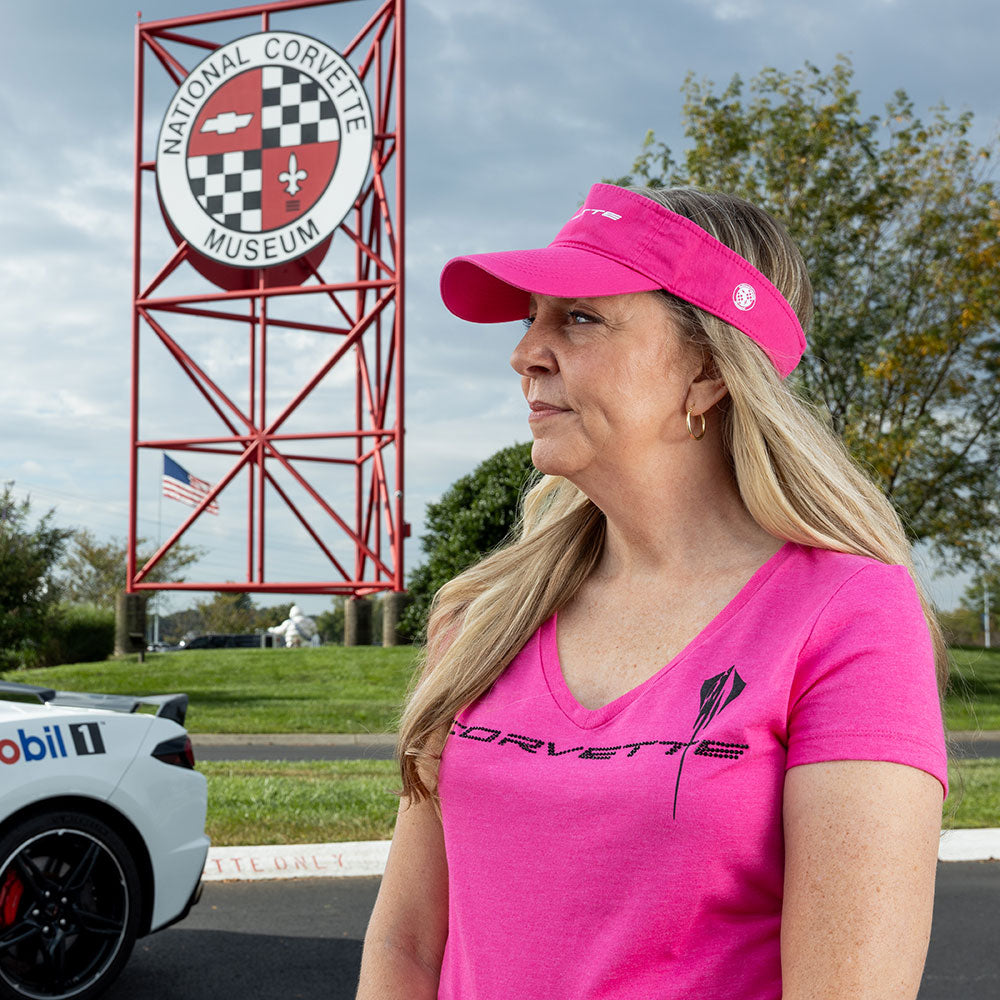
(716, 693)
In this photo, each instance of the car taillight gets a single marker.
(176, 751)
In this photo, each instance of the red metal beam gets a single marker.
(398, 332)
(276, 486)
(202, 506)
(197, 375)
(367, 251)
(180, 255)
(371, 22)
(253, 293)
(288, 324)
(301, 480)
(253, 10)
(261, 420)
(173, 36)
(347, 344)
(173, 66)
(245, 439)
(354, 588)
(133, 469)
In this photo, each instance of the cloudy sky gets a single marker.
(515, 107)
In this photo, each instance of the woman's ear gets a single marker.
(707, 387)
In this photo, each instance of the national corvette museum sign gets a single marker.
(264, 149)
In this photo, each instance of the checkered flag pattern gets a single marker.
(295, 111)
(228, 187)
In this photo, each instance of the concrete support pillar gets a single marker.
(357, 622)
(130, 623)
(393, 605)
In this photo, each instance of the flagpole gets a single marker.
(159, 536)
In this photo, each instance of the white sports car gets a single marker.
(102, 835)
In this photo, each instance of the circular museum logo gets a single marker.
(263, 149)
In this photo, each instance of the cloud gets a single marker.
(730, 10)
(516, 12)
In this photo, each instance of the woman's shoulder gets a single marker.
(827, 571)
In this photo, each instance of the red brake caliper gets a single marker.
(10, 898)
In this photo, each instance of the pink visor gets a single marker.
(621, 241)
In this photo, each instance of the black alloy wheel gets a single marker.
(69, 907)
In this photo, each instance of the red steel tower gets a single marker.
(278, 169)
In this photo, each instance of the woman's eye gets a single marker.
(573, 318)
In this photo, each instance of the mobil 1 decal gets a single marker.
(263, 149)
(85, 740)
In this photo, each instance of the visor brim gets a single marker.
(495, 287)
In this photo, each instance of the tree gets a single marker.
(95, 572)
(28, 588)
(964, 625)
(475, 515)
(330, 624)
(897, 220)
(228, 611)
(274, 614)
(180, 624)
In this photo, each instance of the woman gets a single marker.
(683, 738)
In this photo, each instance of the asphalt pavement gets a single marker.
(301, 940)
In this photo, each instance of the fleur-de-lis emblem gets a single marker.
(292, 176)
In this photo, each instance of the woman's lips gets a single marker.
(539, 410)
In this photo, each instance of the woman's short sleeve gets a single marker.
(865, 687)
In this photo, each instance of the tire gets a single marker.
(69, 907)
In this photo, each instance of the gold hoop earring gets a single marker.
(697, 437)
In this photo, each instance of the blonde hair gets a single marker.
(793, 473)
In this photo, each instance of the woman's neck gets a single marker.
(679, 523)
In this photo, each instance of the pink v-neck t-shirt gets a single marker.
(635, 851)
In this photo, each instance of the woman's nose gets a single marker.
(533, 355)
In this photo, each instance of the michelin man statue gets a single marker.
(297, 628)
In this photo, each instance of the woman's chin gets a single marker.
(552, 460)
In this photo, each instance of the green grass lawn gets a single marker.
(318, 802)
(327, 689)
(973, 794)
(300, 802)
(336, 689)
(974, 699)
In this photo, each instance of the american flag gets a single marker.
(179, 484)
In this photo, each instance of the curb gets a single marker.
(970, 845)
(284, 861)
(363, 858)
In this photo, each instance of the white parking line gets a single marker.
(368, 857)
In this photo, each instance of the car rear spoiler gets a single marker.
(169, 706)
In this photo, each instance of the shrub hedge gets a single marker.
(78, 633)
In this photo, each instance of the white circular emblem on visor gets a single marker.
(744, 297)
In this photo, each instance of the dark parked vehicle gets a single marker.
(229, 640)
